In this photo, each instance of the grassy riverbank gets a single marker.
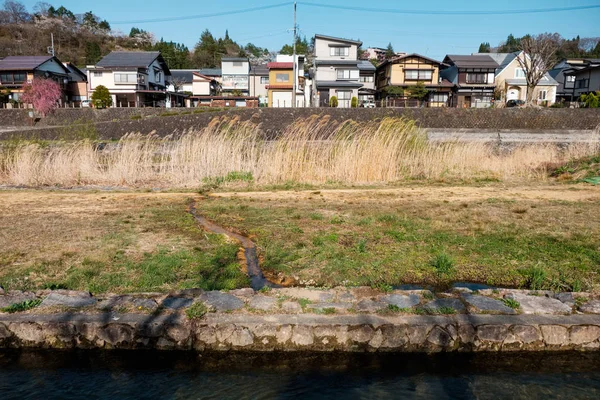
(538, 236)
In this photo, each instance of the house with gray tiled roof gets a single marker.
(134, 79)
(473, 79)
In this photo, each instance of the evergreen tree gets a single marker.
(93, 54)
(389, 52)
(484, 47)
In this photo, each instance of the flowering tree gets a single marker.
(43, 94)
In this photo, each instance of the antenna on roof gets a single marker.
(51, 48)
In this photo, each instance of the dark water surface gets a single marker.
(169, 375)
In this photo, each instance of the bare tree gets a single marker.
(177, 83)
(15, 12)
(538, 57)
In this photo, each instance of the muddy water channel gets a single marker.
(172, 375)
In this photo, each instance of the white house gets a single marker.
(336, 70)
(236, 73)
(134, 79)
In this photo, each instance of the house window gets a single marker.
(519, 73)
(474, 77)
(13, 78)
(340, 51)
(282, 78)
(157, 76)
(439, 97)
(97, 74)
(366, 79)
(417, 74)
(542, 95)
(264, 80)
(347, 74)
(237, 64)
(582, 83)
(125, 78)
(344, 94)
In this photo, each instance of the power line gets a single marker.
(445, 12)
(199, 16)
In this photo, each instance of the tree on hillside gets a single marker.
(93, 53)
(14, 12)
(176, 55)
(540, 55)
(511, 45)
(484, 47)
(208, 52)
(43, 94)
(302, 47)
(389, 52)
(101, 97)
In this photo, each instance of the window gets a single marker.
(366, 79)
(570, 78)
(282, 78)
(238, 64)
(542, 95)
(344, 94)
(13, 78)
(417, 74)
(519, 73)
(264, 80)
(340, 51)
(582, 83)
(474, 77)
(347, 74)
(125, 78)
(157, 76)
(439, 97)
(97, 74)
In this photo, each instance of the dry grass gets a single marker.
(309, 151)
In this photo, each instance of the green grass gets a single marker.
(196, 311)
(511, 303)
(426, 242)
(23, 306)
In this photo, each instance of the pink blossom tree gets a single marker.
(43, 94)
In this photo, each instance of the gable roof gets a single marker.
(199, 75)
(26, 62)
(258, 70)
(185, 75)
(74, 71)
(471, 61)
(364, 65)
(211, 71)
(337, 39)
(393, 60)
(280, 65)
(139, 59)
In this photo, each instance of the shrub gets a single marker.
(196, 310)
(101, 97)
(43, 94)
(333, 101)
(535, 278)
(442, 264)
(590, 100)
(354, 102)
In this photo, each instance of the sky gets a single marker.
(430, 35)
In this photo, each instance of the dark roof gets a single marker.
(467, 61)
(366, 66)
(211, 71)
(260, 69)
(140, 59)
(23, 62)
(235, 59)
(344, 84)
(75, 72)
(356, 42)
(184, 74)
(337, 62)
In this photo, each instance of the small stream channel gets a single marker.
(181, 375)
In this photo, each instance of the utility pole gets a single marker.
(295, 77)
(51, 48)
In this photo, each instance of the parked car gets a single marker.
(368, 104)
(515, 103)
(86, 103)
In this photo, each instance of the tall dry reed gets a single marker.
(309, 151)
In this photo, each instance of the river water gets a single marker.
(172, 375)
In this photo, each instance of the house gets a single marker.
(134, 79)
(204, 88)
(511, 83)
(377, 53)
(76, 90)
(236, 76)
(181, 80)
(407, 71)
(366, 76)
(16, 71)
(281, 81)
(214, 73)
(259, 80)
(473, 79)
(571, 84)
(336, 71)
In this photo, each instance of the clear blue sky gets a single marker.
(431, 35)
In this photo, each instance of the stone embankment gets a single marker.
(301, 319)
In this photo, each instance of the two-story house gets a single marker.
(511, 83)
(366, 76)
(473, 78)
(576, 77)
(16, 71)
(259, 80)
(133, 78)
(407, 71)
(236, 76)
(281, 76)
(76, 90)
(336, 71)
